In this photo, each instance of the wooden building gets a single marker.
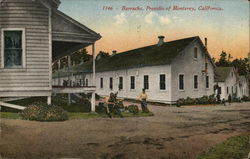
(34, 34)
(167, 70)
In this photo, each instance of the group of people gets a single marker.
(112, 104)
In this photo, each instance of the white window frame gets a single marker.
(101, 83)
(197, 82)
(23, 48)
(144, 82)
(208, 82)
(131, 83)
(165, 82)
(195, 48)
(183, 82)
(120, 83)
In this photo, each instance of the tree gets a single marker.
(80, 56)
(223, 60)
(102, 54)
(76, 58)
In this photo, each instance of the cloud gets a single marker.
(120, 19)
(164, 20)
(153, 16)
(150, 17)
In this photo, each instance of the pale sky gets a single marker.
(226, 29)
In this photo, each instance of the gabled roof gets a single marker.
(145, 56)
(221, 73)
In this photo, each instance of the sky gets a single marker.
(225, 24)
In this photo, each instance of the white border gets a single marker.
(23, 48)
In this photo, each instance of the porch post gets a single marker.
(93, 80)
(69, 83)
(59, 66)
(49, 100)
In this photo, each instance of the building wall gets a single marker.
(33, 79)
(186, 64)
(243, 89)
(230, 84)
(154, 92)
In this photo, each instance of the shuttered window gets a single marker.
(162, 82)
(195, 52)
(146, 82)
(111, 83)
(120, 83)
(13, 48)
(195, 81)
(181, 82)
(101, 82)
(132, 82)
(207, 81)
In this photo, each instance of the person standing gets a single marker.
(143, 98)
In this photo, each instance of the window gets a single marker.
(195, 52)
(87, 83)
(162, 82)
(111, 83)
(195, 81)
(219, 90)
(181, 82)
(132, 82)
(206, 66)
(227, 90)
(120, 83)
(146, 80)
(101, 82)
(13, 51)
(207, 81)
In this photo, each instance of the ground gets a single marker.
(172, 133)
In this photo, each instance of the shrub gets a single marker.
(245, 98)
(133, 109)
(180, 102)
(189, 101)
(212, 99)
(43, 112)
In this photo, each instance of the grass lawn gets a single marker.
(9, 115)
(236, 147)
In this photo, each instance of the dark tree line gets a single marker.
(241, 64)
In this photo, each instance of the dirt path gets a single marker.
(173, 133)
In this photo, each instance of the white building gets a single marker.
(226, 79)
(168, 71)
(243, 87)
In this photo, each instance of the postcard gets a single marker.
(124, 79)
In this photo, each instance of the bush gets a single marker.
(192, 101)
(133, 109)
(245, 98)
(212, 99)
(180, 102)
(43, 112)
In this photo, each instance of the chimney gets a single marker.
(114, 52)
(206, 43)
(161, 40)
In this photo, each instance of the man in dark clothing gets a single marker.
(229, 99)
(112, 105)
